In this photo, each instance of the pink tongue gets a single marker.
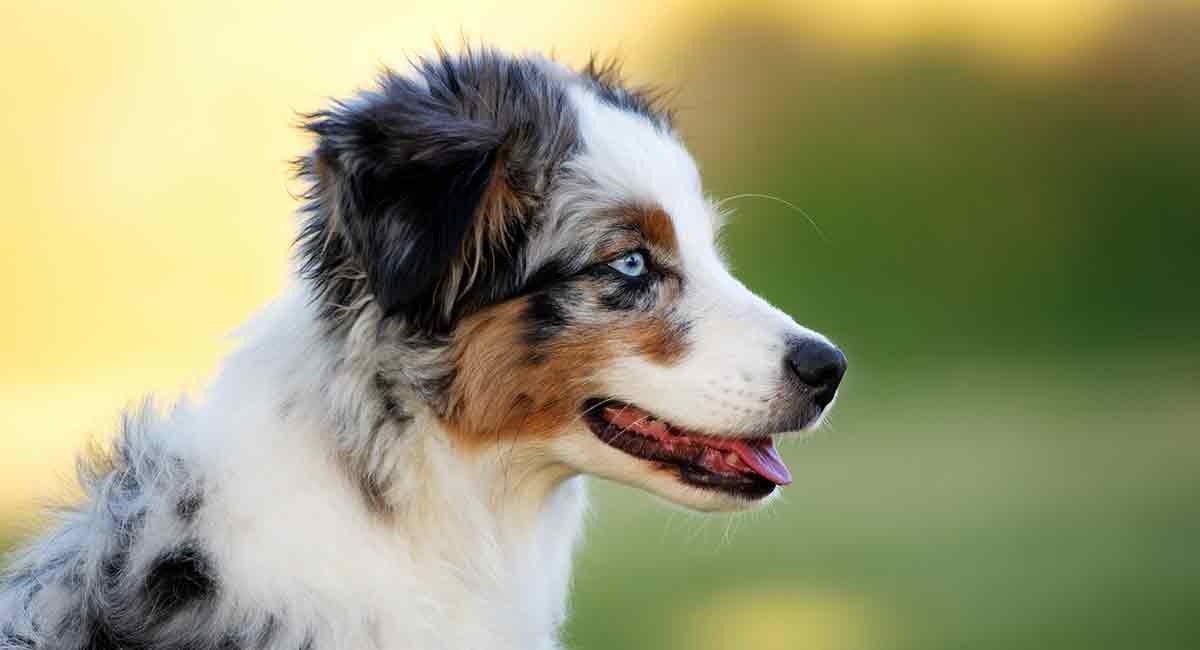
(759, 453)
(763, 458)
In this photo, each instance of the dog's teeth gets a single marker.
(733, 459)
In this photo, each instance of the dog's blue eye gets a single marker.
(632, 264)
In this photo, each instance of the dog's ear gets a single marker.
(402, 177)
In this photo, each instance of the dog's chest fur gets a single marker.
(237, 521)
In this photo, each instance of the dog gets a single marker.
(507, 278)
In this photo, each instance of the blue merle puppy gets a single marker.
(507, 278)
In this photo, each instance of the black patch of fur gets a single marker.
(550, 274)
(546, 316)
(179, 577)
(502, 270)
(550, 297)
(398, 176)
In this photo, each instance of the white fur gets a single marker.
(732, 375)
(477, 554)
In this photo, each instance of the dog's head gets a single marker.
(548, 231)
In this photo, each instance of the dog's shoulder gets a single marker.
(127, 567)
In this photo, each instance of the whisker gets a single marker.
(588, 411)
(625, 429)
(789, 204)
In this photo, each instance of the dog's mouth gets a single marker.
(744, 467)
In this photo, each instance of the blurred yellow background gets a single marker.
(1009, 190)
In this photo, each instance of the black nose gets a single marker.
(819, 366)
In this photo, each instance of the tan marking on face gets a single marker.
(661, 339)
(506, 386)
(656, 226)
(616, 244)
(639, 227)
(500, 391)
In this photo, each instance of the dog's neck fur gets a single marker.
(368, 502)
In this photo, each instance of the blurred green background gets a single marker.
(1007, 246)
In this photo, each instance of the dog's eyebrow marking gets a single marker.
(633, 226)
(656, 226)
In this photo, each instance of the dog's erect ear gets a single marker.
(419, 184)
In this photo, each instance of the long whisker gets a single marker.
(785, 202)
(625, 429)
(588, 411)
(624, 407)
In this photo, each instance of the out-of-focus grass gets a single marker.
(985, 506)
